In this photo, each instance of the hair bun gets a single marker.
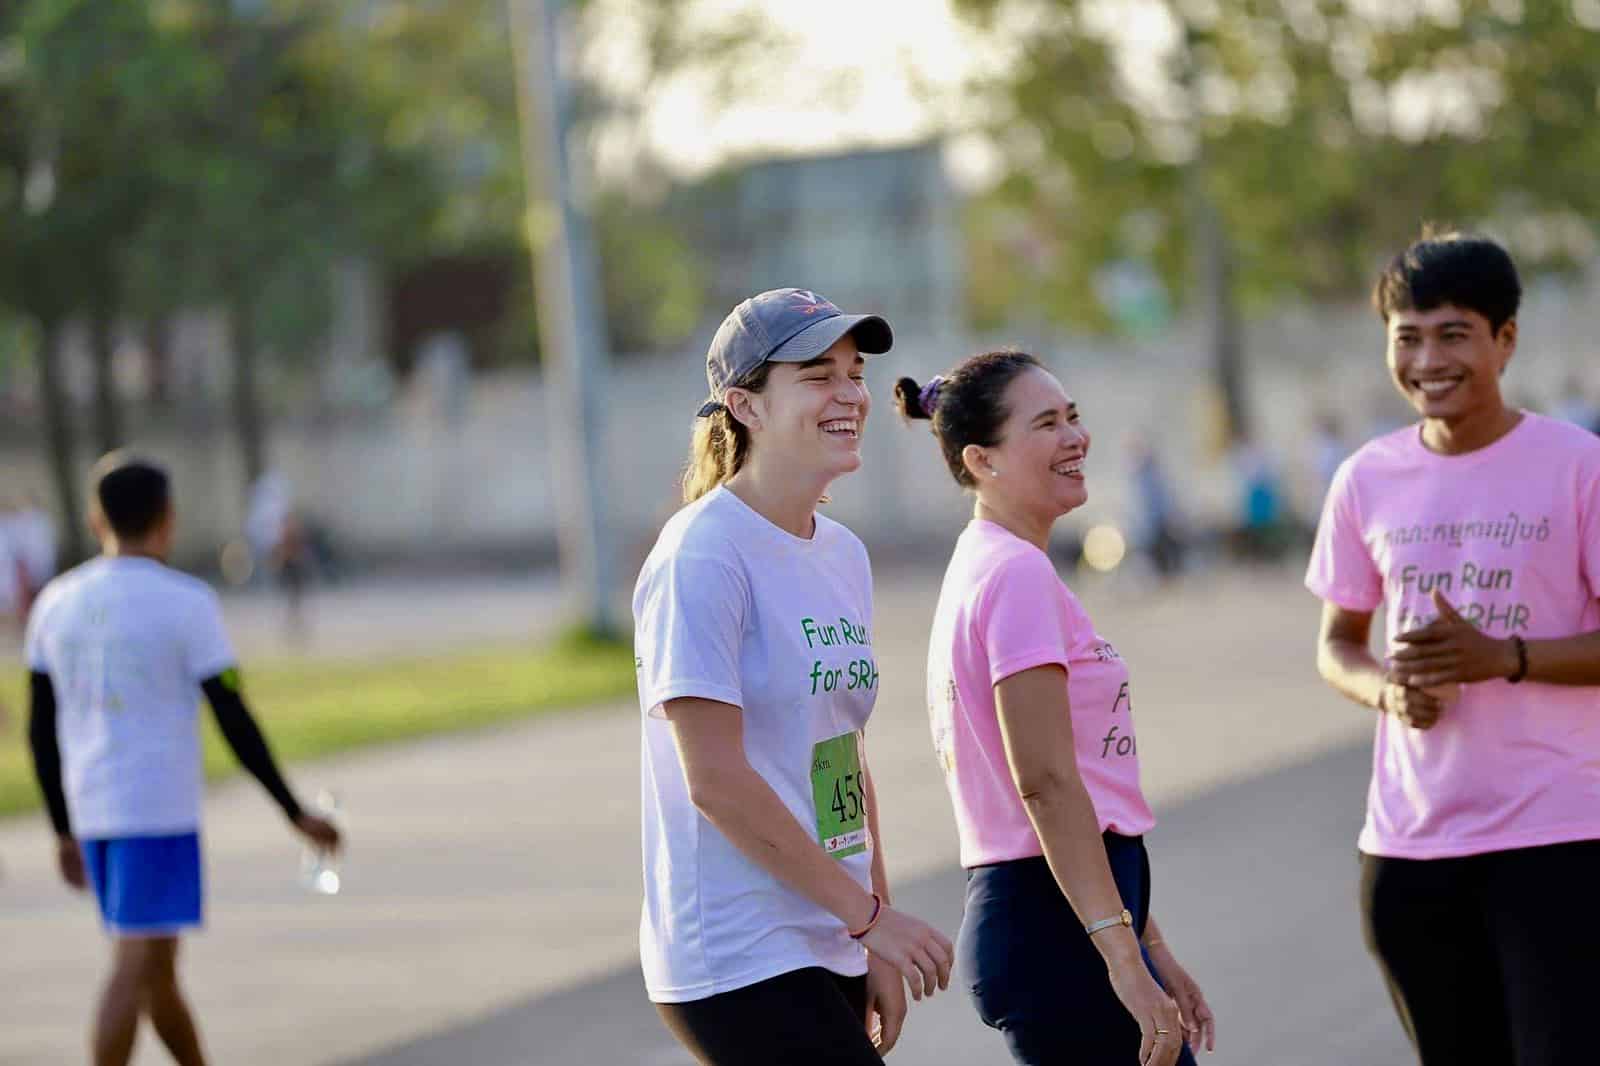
(910, 398)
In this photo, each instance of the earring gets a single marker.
(993, 472)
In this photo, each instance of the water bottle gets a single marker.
(319, 870)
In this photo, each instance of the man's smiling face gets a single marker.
(1447, 361)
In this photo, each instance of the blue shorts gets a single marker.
(147, 886)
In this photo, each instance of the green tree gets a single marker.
(185, 152)
(1255, 150)
(163, 154)
(287, 168)
(85, 90)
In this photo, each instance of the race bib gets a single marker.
(840, 792)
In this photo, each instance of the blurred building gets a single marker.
(876, 230)
(455, 465)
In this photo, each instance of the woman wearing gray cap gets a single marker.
(767, 936)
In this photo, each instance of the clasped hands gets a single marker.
(1447, 651)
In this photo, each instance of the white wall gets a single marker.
(403, 481)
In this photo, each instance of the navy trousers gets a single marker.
(1034, 973)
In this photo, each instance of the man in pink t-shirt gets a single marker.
(1478, 531)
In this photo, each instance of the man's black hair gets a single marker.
(1464, 270)
(133, 494)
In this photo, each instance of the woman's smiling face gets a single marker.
(813, 414)
(1037, 467)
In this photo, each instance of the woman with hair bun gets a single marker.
(1033, 725)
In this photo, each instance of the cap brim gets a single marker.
(871, 332)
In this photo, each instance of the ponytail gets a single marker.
(716, 453)
(720, 445)
(915, 401)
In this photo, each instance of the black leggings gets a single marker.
(1490, 958)
(802, 1018)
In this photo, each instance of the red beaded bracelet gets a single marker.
(877, 912)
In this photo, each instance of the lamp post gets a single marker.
(571, 331)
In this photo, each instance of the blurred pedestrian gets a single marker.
(1478, 531)
(1159, 526)
(1262, 529)
(280, 545)
(36, 540)
(118, 650)
(1033, 723)
(13, 569)
(271, 498)
(768, 936)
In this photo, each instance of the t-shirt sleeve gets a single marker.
(688, 632)
(1589, 524)
(33, 637)
(1021, 620)
(207, 650)
(1341, 570)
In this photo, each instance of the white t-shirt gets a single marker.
(731, 608)
(126, 642)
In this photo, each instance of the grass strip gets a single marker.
(312, 708)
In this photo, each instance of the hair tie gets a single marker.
(928, 398)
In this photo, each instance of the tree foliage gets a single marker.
(1323, 131)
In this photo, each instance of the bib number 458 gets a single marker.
(839, 789)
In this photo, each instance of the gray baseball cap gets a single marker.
(784, 326)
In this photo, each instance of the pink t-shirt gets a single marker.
(1510, 534)
(1003, 610)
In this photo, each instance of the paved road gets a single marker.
(492, 901)
(1258, 876)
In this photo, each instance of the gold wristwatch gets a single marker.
(1125, 918)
